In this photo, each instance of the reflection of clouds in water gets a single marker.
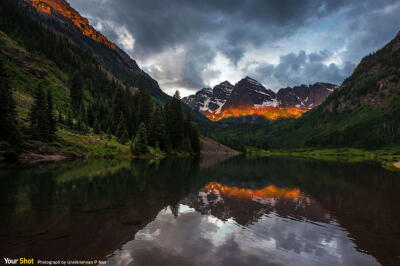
(195, 239)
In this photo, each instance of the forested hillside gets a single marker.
(57, 97)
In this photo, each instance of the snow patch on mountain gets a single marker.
(273, 103)
(249, 92)
(210, 99)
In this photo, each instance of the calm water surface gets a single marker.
(242, 211)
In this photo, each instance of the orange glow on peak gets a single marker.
(269, 113)
(62, 7)
(270, 191)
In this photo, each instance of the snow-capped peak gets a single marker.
(250, 93)
(206, 91)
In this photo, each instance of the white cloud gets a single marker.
(125, 38)
(122, 36)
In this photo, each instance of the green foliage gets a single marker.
(118, 111)
(191, 142)
(96, 128)
(109, 136)
(69, 122)
(175, 121)
(86, 146)
(42, 117)
(122, 133)
(145, 106)
(84, 95)
(156, 132)
(9, 130)
(60, 118)
(139, 143)
(76, 92)
(195, 139)
(51, 117)
(124, 138)
(40, 125)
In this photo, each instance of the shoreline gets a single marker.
(33, 158)
(37, 156)
(389, 159)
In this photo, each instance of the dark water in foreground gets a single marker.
(260, 211)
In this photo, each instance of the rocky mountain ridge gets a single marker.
(63, 8)
(208, 99)
(61, 18)
(249, 97)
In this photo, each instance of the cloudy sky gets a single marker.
(191, 44)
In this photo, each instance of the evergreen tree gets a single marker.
(195, 139)
(90, 116)
(69, 121)
(83, 114)
(192, 134)
(109, 136)
(76, 92)
(36, 107)
(186, 145)
(96, 127)
(117, 110)
(38, 116)
(121, 126)
(175, 121)
(51, 116)
(9, 131)
(139, 143)
(124, 138)
(60, 118)
(156, 132)
(145, 106)
(187, 125)
(43, 126)
(85, 128)
(79, 125)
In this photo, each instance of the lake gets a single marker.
(241, 211)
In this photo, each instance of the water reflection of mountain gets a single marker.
(87, 210)
(362, 197)
(247, 206)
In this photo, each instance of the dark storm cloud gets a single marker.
(320, 57)
(301, 68)
(233, 27)
(197, 57)
(157, 24)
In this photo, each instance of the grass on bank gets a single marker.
(89, 146)
(75, 145)
(387, 157)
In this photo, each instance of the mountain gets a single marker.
(61, 17)
(208, 99)
(248, 98)
(60, 100)
(61, 9)
(250, 93)
(363, 112)
(247, 205)
(305, 96)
